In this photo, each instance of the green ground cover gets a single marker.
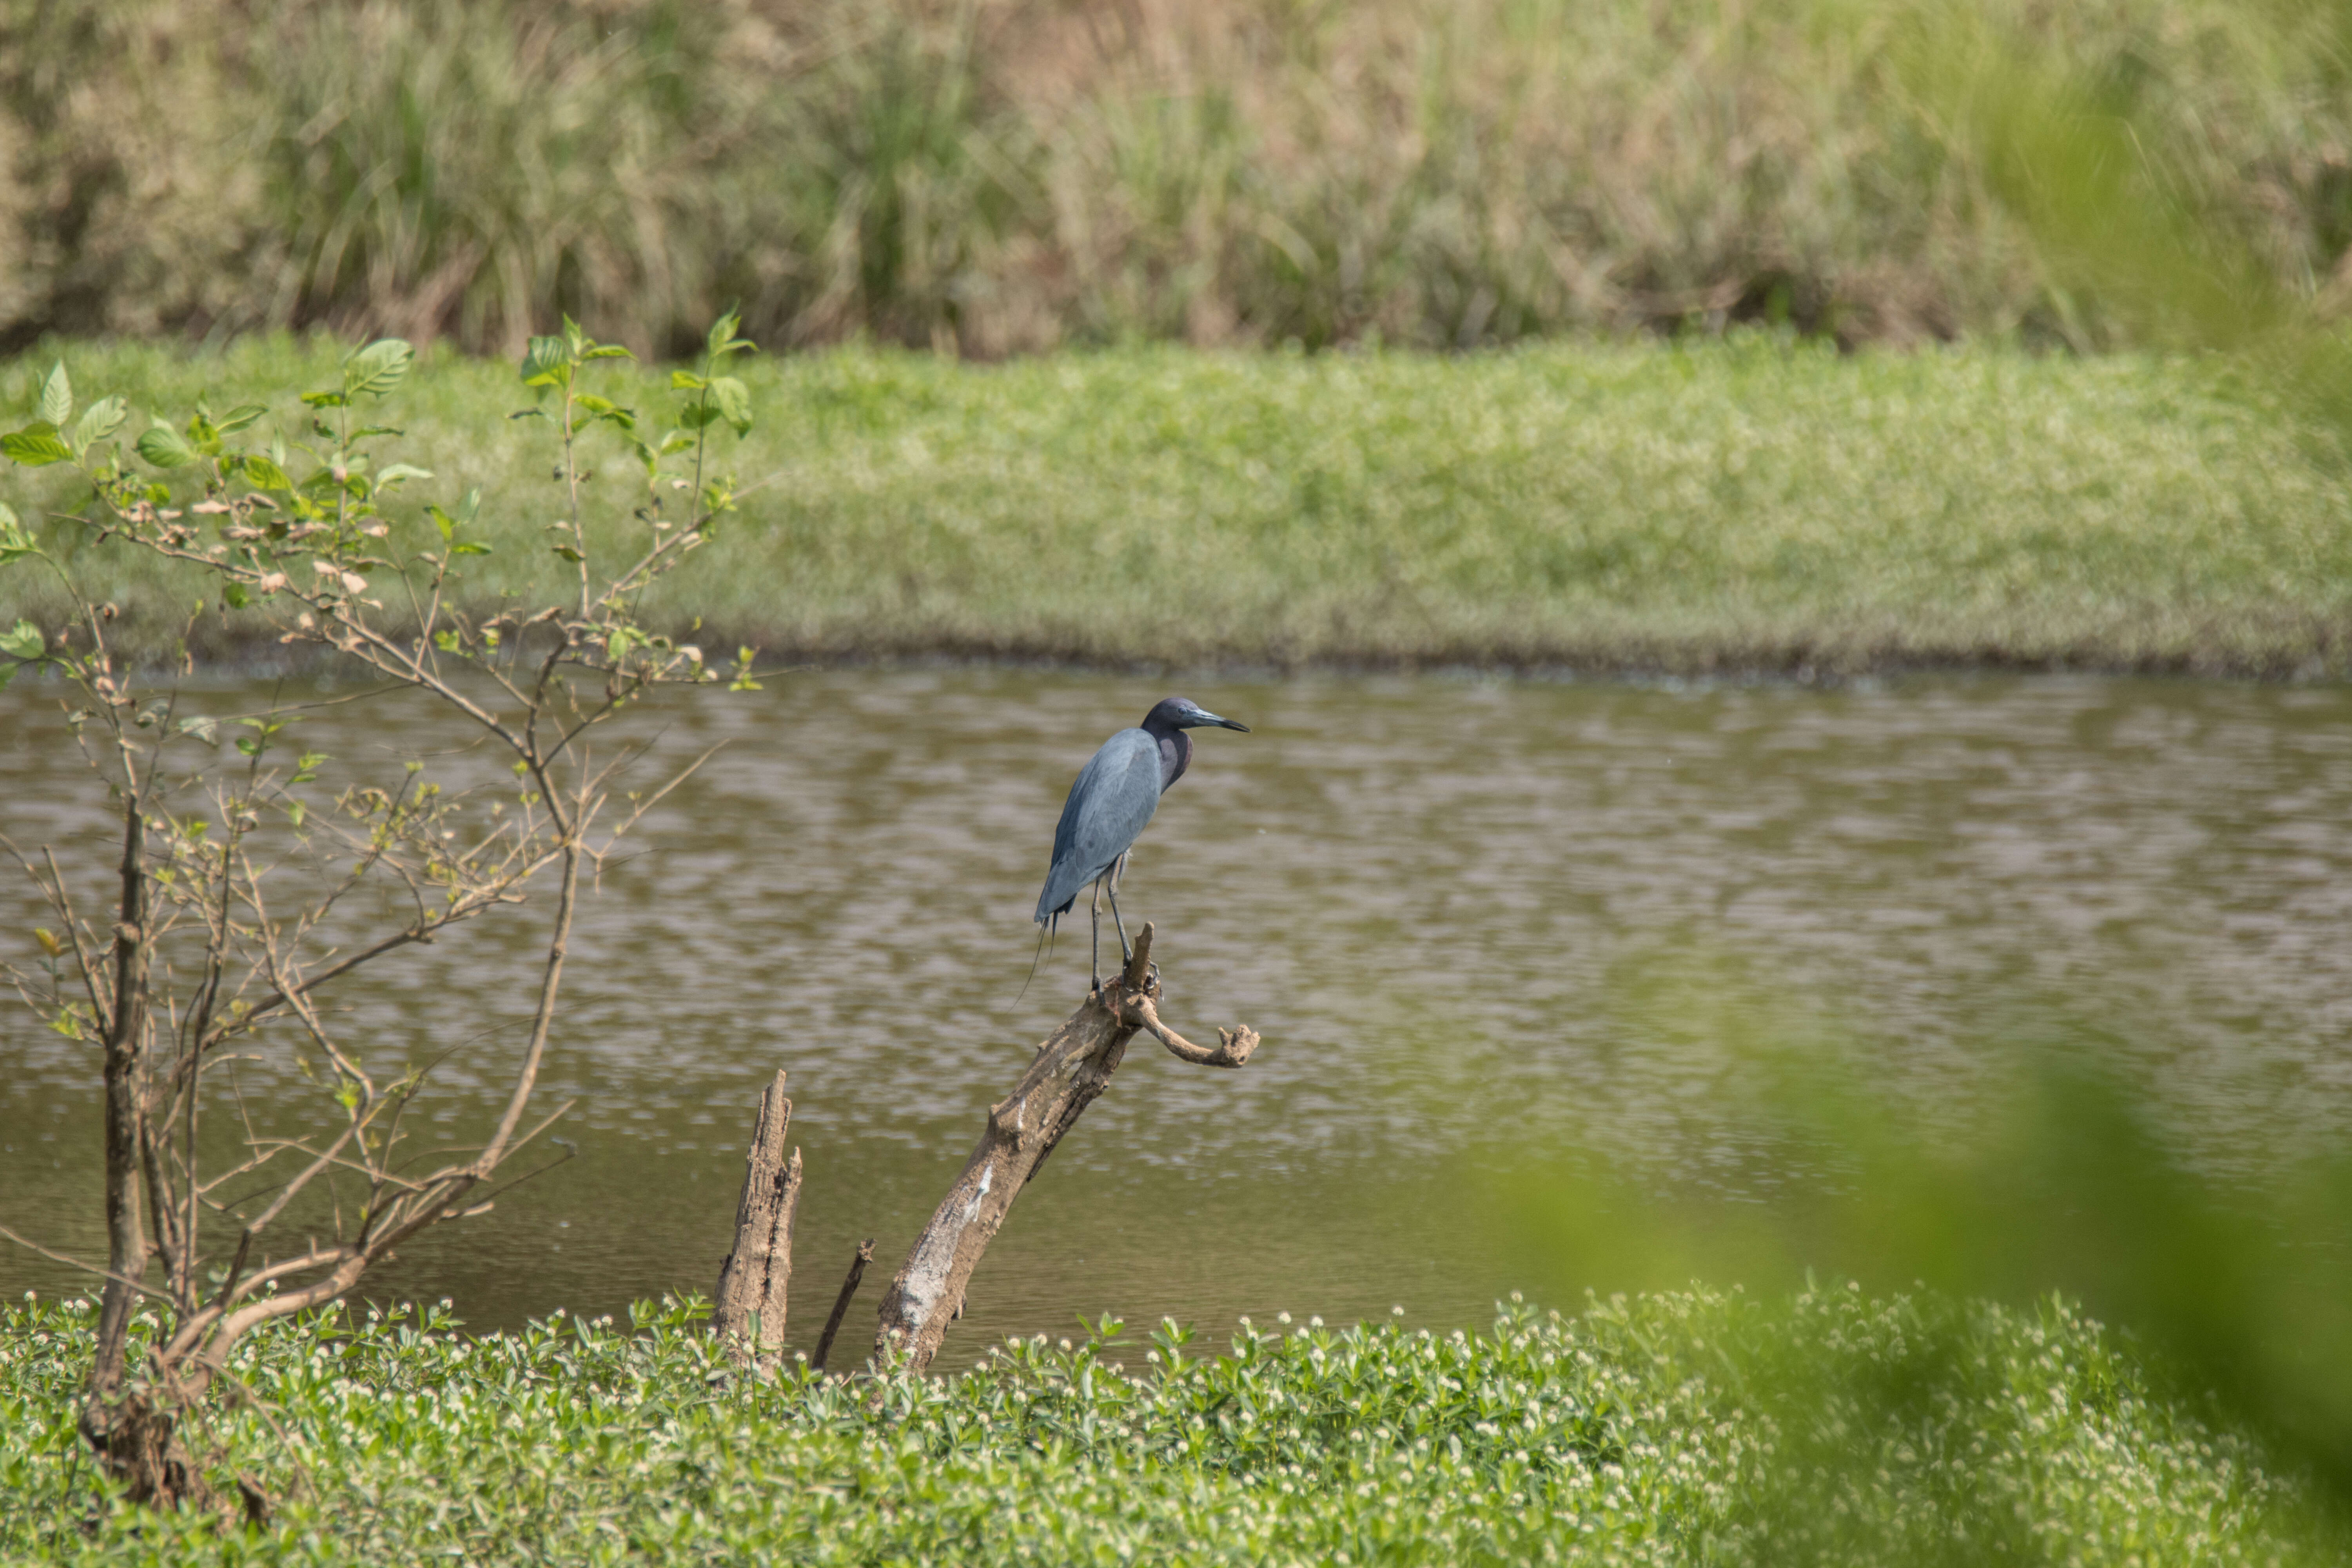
(1673, 1428)
(1725, 506)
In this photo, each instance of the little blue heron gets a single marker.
(1114, 797)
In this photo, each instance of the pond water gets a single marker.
(1474, 921)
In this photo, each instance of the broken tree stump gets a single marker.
(1070, 1071)
(753, 1280)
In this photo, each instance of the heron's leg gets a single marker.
(1119, 870)
(1094, 957)
(1126, 953)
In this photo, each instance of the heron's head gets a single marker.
(1183, 713)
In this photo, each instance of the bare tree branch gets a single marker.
(1070, 1070)
(203, 949)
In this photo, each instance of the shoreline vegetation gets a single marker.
(1831, 1426)
(1758, 504)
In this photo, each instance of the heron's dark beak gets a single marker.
(1208, 718)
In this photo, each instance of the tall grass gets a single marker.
(999, 176)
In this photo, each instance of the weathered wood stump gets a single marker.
(748, 1313)
(1071, 1069)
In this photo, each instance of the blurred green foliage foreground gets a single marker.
(1754, 503)
(2062, 1175)
(994, 176)
(1832, 1428)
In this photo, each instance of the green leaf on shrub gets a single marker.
(98, 421)
(546, 362)
(743, 682)
(15, 542)
(203, 729)
(377, 368)
(239, 418)
(166, 448)
(722, 341)
(23, 641)
(734, 400)
(468, 547)
(326, 400)
(396, 473)
(55, 405)
(266, 474)
(35, 446)
(233, 595)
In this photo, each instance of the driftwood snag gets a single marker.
(753, 1280)
(1071, 1070)
(841, 1303)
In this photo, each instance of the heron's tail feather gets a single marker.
(1049, 923)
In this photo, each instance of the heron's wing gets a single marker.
(1114, 797)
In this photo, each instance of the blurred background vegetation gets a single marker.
(995, 177)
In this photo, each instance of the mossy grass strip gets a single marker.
(1750, 505)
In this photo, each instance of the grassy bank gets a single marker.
(1733, 506)
(1682, 1429)
(999, 176)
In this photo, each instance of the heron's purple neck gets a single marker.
(1175, 750)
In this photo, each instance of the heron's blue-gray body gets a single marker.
(1109, 806)
(1113, 801)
